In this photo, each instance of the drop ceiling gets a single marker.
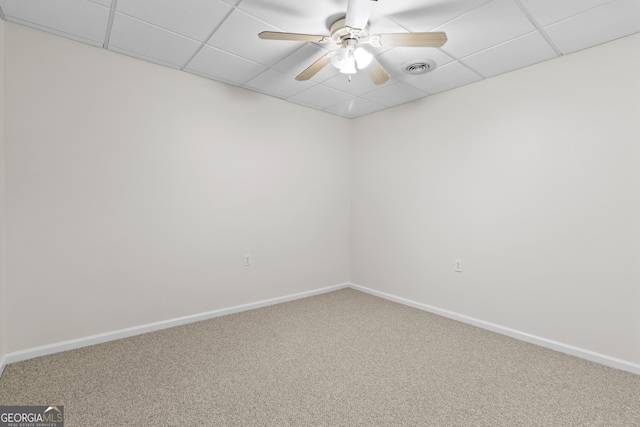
(218, 40)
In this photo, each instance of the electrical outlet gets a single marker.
(458, 266)
(247, 260)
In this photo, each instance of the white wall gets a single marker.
(133, 192)
(531, 178)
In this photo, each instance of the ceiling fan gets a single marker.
(350, 33)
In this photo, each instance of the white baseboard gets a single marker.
(129, 332)
(592, 356)
(44, 350)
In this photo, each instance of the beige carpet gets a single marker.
(339, 359)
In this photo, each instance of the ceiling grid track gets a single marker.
(204, 43)
(112, 14)
(538, 27)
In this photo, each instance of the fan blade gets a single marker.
(377, 73)
(435, 39)
(273, 35)
(315, 67)
(358, 13)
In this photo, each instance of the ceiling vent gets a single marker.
(418, 66)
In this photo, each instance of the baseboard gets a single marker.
(129, 332)
(31, 353)
(592, 356)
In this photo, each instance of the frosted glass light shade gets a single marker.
(350, 67)
(339, 60)
(362, 57)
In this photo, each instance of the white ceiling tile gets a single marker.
(393, 60)
(546, 12)
(605, 23)
(238, 34)
(195, 19)
(380, 23)
(321, 96)
(278, 84)
(232, 2)
(395, 94)
(425, 15)
(517, 53)
(359, 84)
(302, 58)
(356, 107)
(444, 78)
(130, 35)
(307, 17)
(105, 3)
(486, 26)
(79, 19)
(213, 63)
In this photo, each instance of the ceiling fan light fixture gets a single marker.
(339, 60)
(350, 31)
(362, 57)
(350, 66)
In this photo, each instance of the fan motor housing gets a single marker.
(339, 31)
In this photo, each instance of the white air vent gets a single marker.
(418, 66)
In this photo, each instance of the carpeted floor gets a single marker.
(344, 358)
